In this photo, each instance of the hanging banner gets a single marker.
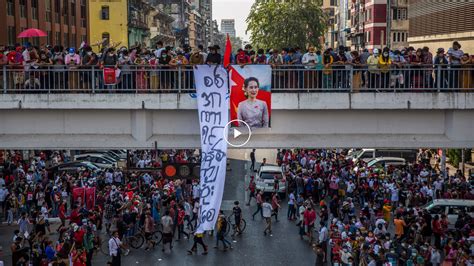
(212, 99)
(110, 77)
(78, 194)
(250, 95)
(90, 198)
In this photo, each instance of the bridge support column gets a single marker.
(142, 125)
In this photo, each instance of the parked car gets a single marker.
(73, 167)
(265, 179)
(111, 154)
(369, 154)
(100, 160)
(450, 207)
(386, 161)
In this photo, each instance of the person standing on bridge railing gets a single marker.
(3, 64)
(441, 74)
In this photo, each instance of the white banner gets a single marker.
(213, 105)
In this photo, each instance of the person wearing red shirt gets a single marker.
(437, 231)
(181, 214)
(75, 216)
(241, 58)
(309, 217)
(79, 257)
(62, 214)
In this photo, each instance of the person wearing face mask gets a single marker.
(44, 63)
(165, 76)
(242, 58)
(310, 60)
(73, 60)
(88, 62)
(416, 61)
(384, 64)
(260, 58)
(374, 73)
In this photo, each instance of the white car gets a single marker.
(265, 179)
(100, 160)
(386, 161)
(450, 207)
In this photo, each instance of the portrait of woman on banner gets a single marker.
(252, 110)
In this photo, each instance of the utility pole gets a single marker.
(389, 23)
(463, 158)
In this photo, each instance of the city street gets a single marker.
(252, 248)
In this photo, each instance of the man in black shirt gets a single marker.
(214, 58)
(252, 158)
(237, 211)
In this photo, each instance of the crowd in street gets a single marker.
(124, 205)
(159, 68)
(348, 213)
(356, 215)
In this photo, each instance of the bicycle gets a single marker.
(232, 225)
(136, 241)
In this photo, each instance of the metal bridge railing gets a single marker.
(285, 78)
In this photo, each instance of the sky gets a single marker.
(236, 9)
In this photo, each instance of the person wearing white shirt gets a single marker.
(310, 59)
(267, 215)
(115, 249)
(323, 236)
(435, 257)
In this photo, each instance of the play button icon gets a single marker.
(237, 133)
(239, 136)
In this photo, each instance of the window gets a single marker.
(399, 36)
(73, 42)
(399, 14)
(73, 9)
(104, 14)
(456, 210)
(334, 2)
(106, 36)
(57, 38)
(23, 8)
(437, 209)
(48, 38)
(34, 9)
(83, 9)
(11, 35)
(57, 11)
(66, 40)
(47, 7)
(11, 7)
(83, 38)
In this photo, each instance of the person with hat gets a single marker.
(214, 57)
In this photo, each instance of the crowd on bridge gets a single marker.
(161, 68)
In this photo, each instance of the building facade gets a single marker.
(439, 24)
(138, 30)
(108, 22)
(160, 28)
(376, 24)
(228, 27)
(65, 22)
(330, 36)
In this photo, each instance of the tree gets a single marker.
(291, 23)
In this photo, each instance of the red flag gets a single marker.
(78, 194)
(228, 51)
(90, 198)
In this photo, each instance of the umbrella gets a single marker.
(32, 33)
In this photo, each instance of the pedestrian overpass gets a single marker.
(299, 119)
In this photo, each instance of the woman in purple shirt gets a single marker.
(253, 111)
